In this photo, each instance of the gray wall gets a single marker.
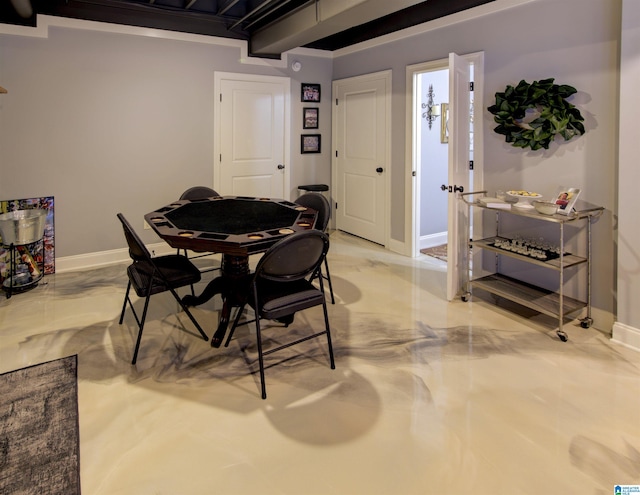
(109, 122)
(628, 240)
(573, 41)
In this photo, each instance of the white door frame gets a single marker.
(412, 169)
(387, 74)
(217, 113)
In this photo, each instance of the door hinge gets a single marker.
(336, 153)
(470, 164)
(336, 101)
(471, 86)
(220, 157)
(221, 97)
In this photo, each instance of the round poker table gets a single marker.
(235, 226)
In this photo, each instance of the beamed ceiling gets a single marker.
(271, 27)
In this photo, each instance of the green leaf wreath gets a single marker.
(557, 115)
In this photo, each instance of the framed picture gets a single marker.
(310, 118)
(310, 92)
(310, 143)
(444, 122)
(565, 199)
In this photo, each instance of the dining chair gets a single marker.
(153, 275)
(321, 204)
(197, 193)
(281, 286)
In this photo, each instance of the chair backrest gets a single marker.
(198, 192)
(319, 203)
(295, 257)
(137, 250)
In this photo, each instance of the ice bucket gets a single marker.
(22, 226)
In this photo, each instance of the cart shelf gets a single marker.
(568, 260)
(540, 300)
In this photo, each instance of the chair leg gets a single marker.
(191, 317)
(140, 324)
(260, 358)
(328, 277)
(186, 255)
(124, 305)
(139, 321)
(327, 328)
(263, 387)
(235, 324)
(326, 324)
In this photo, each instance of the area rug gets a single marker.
(439, 252)
(39, 440)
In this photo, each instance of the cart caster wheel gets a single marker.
(563, 336)
(465, 297)
(586, 322)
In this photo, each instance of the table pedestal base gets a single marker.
(232, 285)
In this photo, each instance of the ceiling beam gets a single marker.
(318, 20)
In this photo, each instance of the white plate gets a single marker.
(524, 194)
(524, 198)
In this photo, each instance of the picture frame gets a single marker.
(310, 143)
(310, 117)
(310, 92)
(566, 198)
(444, 123)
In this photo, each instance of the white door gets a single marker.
(459, 128)
(252, 137)
(361, 126)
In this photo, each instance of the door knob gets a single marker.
(280, 166)
(379, 170)
(452, 189)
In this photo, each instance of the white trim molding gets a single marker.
(626, 335)
(433, 240)
(105, 258)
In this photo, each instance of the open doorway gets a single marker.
(431, 192)
(432, 153)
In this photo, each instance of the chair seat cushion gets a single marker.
(278, 299)
(177, 270)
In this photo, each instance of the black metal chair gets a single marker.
(319, 203)
(149, 276)
(196, 193)
(281, 286)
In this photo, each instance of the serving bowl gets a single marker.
(545, 207)
(524, 198)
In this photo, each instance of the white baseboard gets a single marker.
(626, 335)
(105, 258)
(432, 240)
